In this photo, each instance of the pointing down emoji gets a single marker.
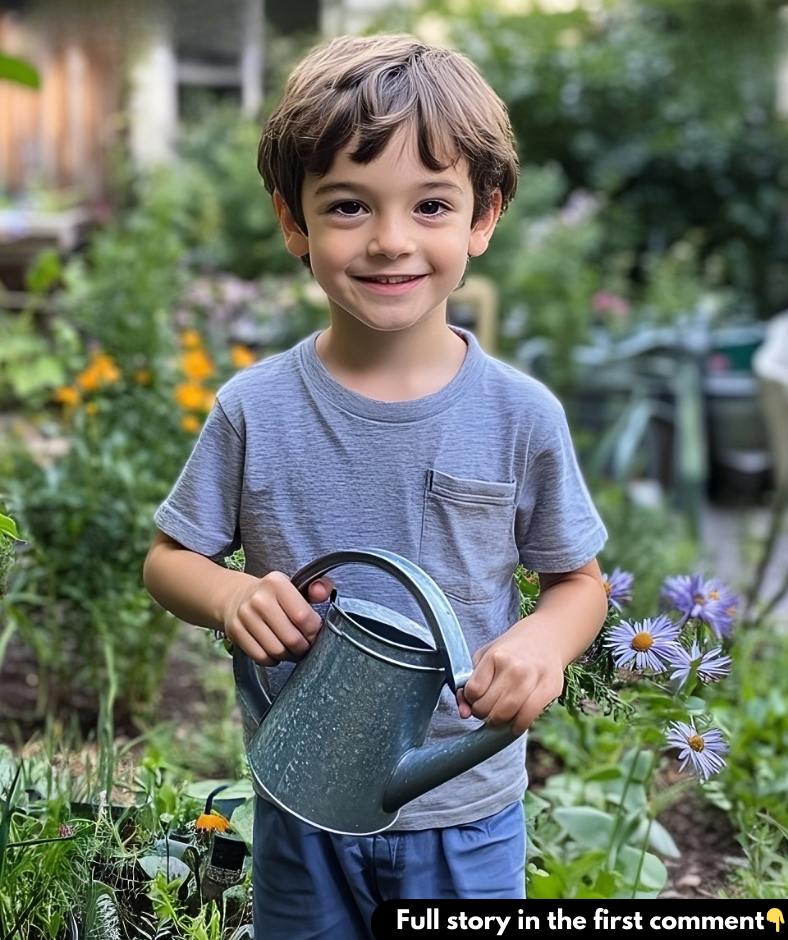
(775, 916)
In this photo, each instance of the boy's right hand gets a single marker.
(271, 621)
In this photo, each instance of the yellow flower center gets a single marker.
(700, 598)
(696, 742)
(642, 641)
(714, 595)
(608, 587)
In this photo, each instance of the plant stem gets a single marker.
(642, 858)
(612, 852)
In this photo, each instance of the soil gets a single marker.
(703, 833)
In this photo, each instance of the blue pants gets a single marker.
(313, 885)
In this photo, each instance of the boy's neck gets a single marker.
(398, 365)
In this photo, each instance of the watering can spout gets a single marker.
(422, 768)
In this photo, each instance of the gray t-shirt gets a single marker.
(466, 482)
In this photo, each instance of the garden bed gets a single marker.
(709, 850)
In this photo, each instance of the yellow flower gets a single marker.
(242, 356)
(67, 395)
(190, 423)
(91, 408)
(190, 396)
(191, 339)
(197, 365)
(101, 371)
(106, 367)
(208, 399)
(213, 820)
(143, 376)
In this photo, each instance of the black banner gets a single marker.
(477, 919)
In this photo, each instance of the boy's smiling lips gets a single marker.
(389, 283)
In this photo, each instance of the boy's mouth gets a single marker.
(389, 278)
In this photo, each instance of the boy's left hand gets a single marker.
(514, 679)
(517, 676)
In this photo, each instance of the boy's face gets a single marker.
(388, 240)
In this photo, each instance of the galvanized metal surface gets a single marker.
(341, 747)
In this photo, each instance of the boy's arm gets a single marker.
(516, 676)
(267, 617)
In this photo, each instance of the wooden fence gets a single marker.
(60, 136)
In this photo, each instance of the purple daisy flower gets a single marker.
(711, 665)
(618, 587)
(709, 601)
(647, 644)
(702, 752)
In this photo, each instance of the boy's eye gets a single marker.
(347, 208)
(432, 207)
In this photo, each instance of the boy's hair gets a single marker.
(361, 90)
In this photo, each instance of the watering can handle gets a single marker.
(441, 619)
(255, 696)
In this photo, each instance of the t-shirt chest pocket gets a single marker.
(467, 536)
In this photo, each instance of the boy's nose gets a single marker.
(391, 238)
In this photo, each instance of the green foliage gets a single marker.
(44, 862)
(35, 361)
(8, 540)
(114, 872)
(18, 71)
(124, 291)
(8, 527)
(232, 223)
(594, 831)
(646, 541)
(77, 596)
(546, 260)
(753, 709)
(32, 365)
(664, 109)
(78, 593)
(599, 839)
(764, 841)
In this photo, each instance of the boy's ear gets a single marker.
(483, 228)
(297, 243)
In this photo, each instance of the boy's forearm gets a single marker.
(570, 612)
(190, 585)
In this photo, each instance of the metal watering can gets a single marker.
(342, 744)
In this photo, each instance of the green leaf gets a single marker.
(8, 526)
(638, 895)
(534, 805)
(653, 874)
(19, 71)
(696, 706)
(588, 826)
(172, 868)
(243, 822)
(36, 375)
(610, 772)
(635, 798)
(543, 886)
(6, 812)
(662, 841)
(45, 271)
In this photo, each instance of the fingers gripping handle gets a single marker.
(440, 618)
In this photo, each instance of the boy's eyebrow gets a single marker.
(426, 186)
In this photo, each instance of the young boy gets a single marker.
(389, 163)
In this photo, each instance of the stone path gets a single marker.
(732, 540)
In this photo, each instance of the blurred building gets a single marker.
(126, 71)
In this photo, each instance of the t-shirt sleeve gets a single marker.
(556, 525)
(202, 509)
